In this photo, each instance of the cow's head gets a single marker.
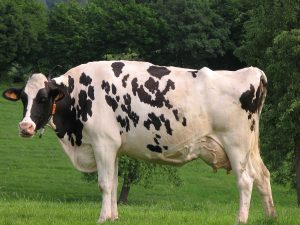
(38, 97)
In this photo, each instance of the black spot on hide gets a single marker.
(117, 68)
(158, 71)
(111, 102)
(70, 84)
(84, 106)
(154, 148)
(154, 120)
(168, 127)
(157, 122)
(124, 122)
(85, 80)
(248, 102)
(105, 86)
(252, 101)
(151, 85)
(160, 95)
(124, 80)
(113, 89)
(132, 115)
(91, 92)
(175, 112)
(127, 109)
(127, 99)
(194, 73)
(184, 121)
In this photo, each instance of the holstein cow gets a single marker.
(168, 115)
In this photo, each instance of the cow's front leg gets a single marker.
(106, 160)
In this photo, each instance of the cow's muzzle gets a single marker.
(26, 129)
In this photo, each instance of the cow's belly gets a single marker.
(206, 147)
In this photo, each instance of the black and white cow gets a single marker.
(170, 115)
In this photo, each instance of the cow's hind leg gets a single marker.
(245, 185)
(262, 182)
(241, 166)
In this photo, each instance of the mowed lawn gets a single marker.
(39, 186)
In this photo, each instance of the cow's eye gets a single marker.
(43, 100)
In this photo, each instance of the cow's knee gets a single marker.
(105, 186)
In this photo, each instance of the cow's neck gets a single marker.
(65, 122)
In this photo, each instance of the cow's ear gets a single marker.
(56, 92)
(12, 94)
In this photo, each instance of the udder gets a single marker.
(211, 152)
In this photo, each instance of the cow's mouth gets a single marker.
(26, 129)
(25, 134)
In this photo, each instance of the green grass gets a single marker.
(38, 186)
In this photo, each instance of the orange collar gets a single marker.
(53, 108)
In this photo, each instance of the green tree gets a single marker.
(195, 33)
(22, 26)
(130, 27)
(80, 33)
(271, 42)
(234, 14)
(267, 18)
(67, 35)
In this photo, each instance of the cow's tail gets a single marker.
(262, 91)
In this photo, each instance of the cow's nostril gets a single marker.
(26, 127)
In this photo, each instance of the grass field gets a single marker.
(38, 186)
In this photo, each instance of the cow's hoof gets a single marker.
(272, 214)
(114, 218)
(241, 220)
(101, 220)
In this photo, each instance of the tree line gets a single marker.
(189, 33)
(220, 34)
